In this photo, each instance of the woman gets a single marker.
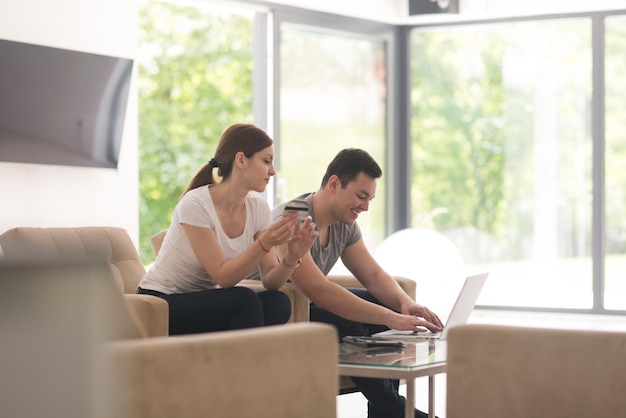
(220, 234)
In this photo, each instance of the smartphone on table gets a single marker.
(372, 341)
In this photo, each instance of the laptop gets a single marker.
(459, 315)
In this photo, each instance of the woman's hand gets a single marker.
(278, 233)
(301, 241)
(298, 238)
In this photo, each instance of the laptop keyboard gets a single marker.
(428, 335)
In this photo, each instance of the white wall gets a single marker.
(47, 195)
(396, 11)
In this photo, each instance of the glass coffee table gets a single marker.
(416, 359)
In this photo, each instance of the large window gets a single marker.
(332, 96)
(516, 131)
(615, 160)
(195, 80)
(502, 154)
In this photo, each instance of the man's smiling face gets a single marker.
(354, 198)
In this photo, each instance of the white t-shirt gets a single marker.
(177, 269)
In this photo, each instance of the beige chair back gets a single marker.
(157, 240)
(98, 243)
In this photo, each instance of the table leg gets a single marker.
(409, 406)
(431, 396)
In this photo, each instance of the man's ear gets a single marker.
(333, 183)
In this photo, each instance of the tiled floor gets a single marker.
(355, 405)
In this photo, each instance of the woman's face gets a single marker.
(260, 168)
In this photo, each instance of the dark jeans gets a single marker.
(224, 309)
(382, 394)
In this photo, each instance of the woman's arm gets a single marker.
(274, 273)
(227, 273)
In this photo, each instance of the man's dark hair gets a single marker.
(349, 163)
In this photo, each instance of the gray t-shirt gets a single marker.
(340, 236)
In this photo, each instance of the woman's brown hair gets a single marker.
(240, 137)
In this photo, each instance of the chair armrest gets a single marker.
(151, 314)
(407, 285)
(278, 371)
(299, 302)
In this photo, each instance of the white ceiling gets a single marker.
(396, 11)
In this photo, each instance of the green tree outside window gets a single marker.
(195, 79)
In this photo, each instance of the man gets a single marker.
(346, 190)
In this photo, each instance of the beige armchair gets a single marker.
(100, 243)
(67, 319)
(496, 371)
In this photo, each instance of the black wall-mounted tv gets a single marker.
(61, 107)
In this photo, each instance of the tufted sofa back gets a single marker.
(99, 243)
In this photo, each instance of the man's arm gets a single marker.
(378, 282)
(336, 299)
(381, 284)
